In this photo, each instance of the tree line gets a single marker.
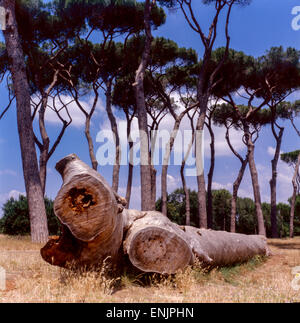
(74, 49)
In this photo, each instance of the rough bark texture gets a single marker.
(95, 224)
(145, 168)
(187, 196)
(168, 150)
(91, 214)
(164, 169)
(237, 182)
(89, 139)
(38, 219)
(185, 188)
(202, 97)
(255, 183)
(45, 146)
(130, 165)
(235, 190)
(153, 187)
(273, 181)
(210, 176)
(221, 248)
(114, 128)
(200, 173)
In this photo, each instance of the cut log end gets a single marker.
(154, 249)
(87, 207)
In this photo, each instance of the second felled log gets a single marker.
(155, 244)
(225, 248)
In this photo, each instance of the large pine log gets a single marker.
(223, 248)
(91, 216)
(95, 224)
(155, 244)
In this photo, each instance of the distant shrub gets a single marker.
(15, 220)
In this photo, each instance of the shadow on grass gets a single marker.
(294, 246)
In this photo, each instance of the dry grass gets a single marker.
(30, 279)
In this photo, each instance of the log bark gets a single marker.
(155, 244)
(91, 216)
(221, 248)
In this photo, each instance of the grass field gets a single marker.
(30, 279)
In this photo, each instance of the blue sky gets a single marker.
(253, 29)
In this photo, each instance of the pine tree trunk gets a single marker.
(130, 164)
(293, 202)
(187, 196)
(164, 171)
(255, 183)
(185, 188)
(235, 190)
(210, 178)
(35, 196)
(43, 160)
(203, 101)
(145, 168)
(90, 143)
(114, 128)
(273, 184)
(43, 169)
(153, 187)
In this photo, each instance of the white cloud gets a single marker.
(13, 193)
(6, 196)
(219, 186)
(172, 182)
(135, 199)
(271, 151)
(78, 118)
(221, 146)
(8, 172)
(284, 181)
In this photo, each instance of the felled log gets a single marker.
(155, 244)
(96, 226)
(221, 248)
(91, 216)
